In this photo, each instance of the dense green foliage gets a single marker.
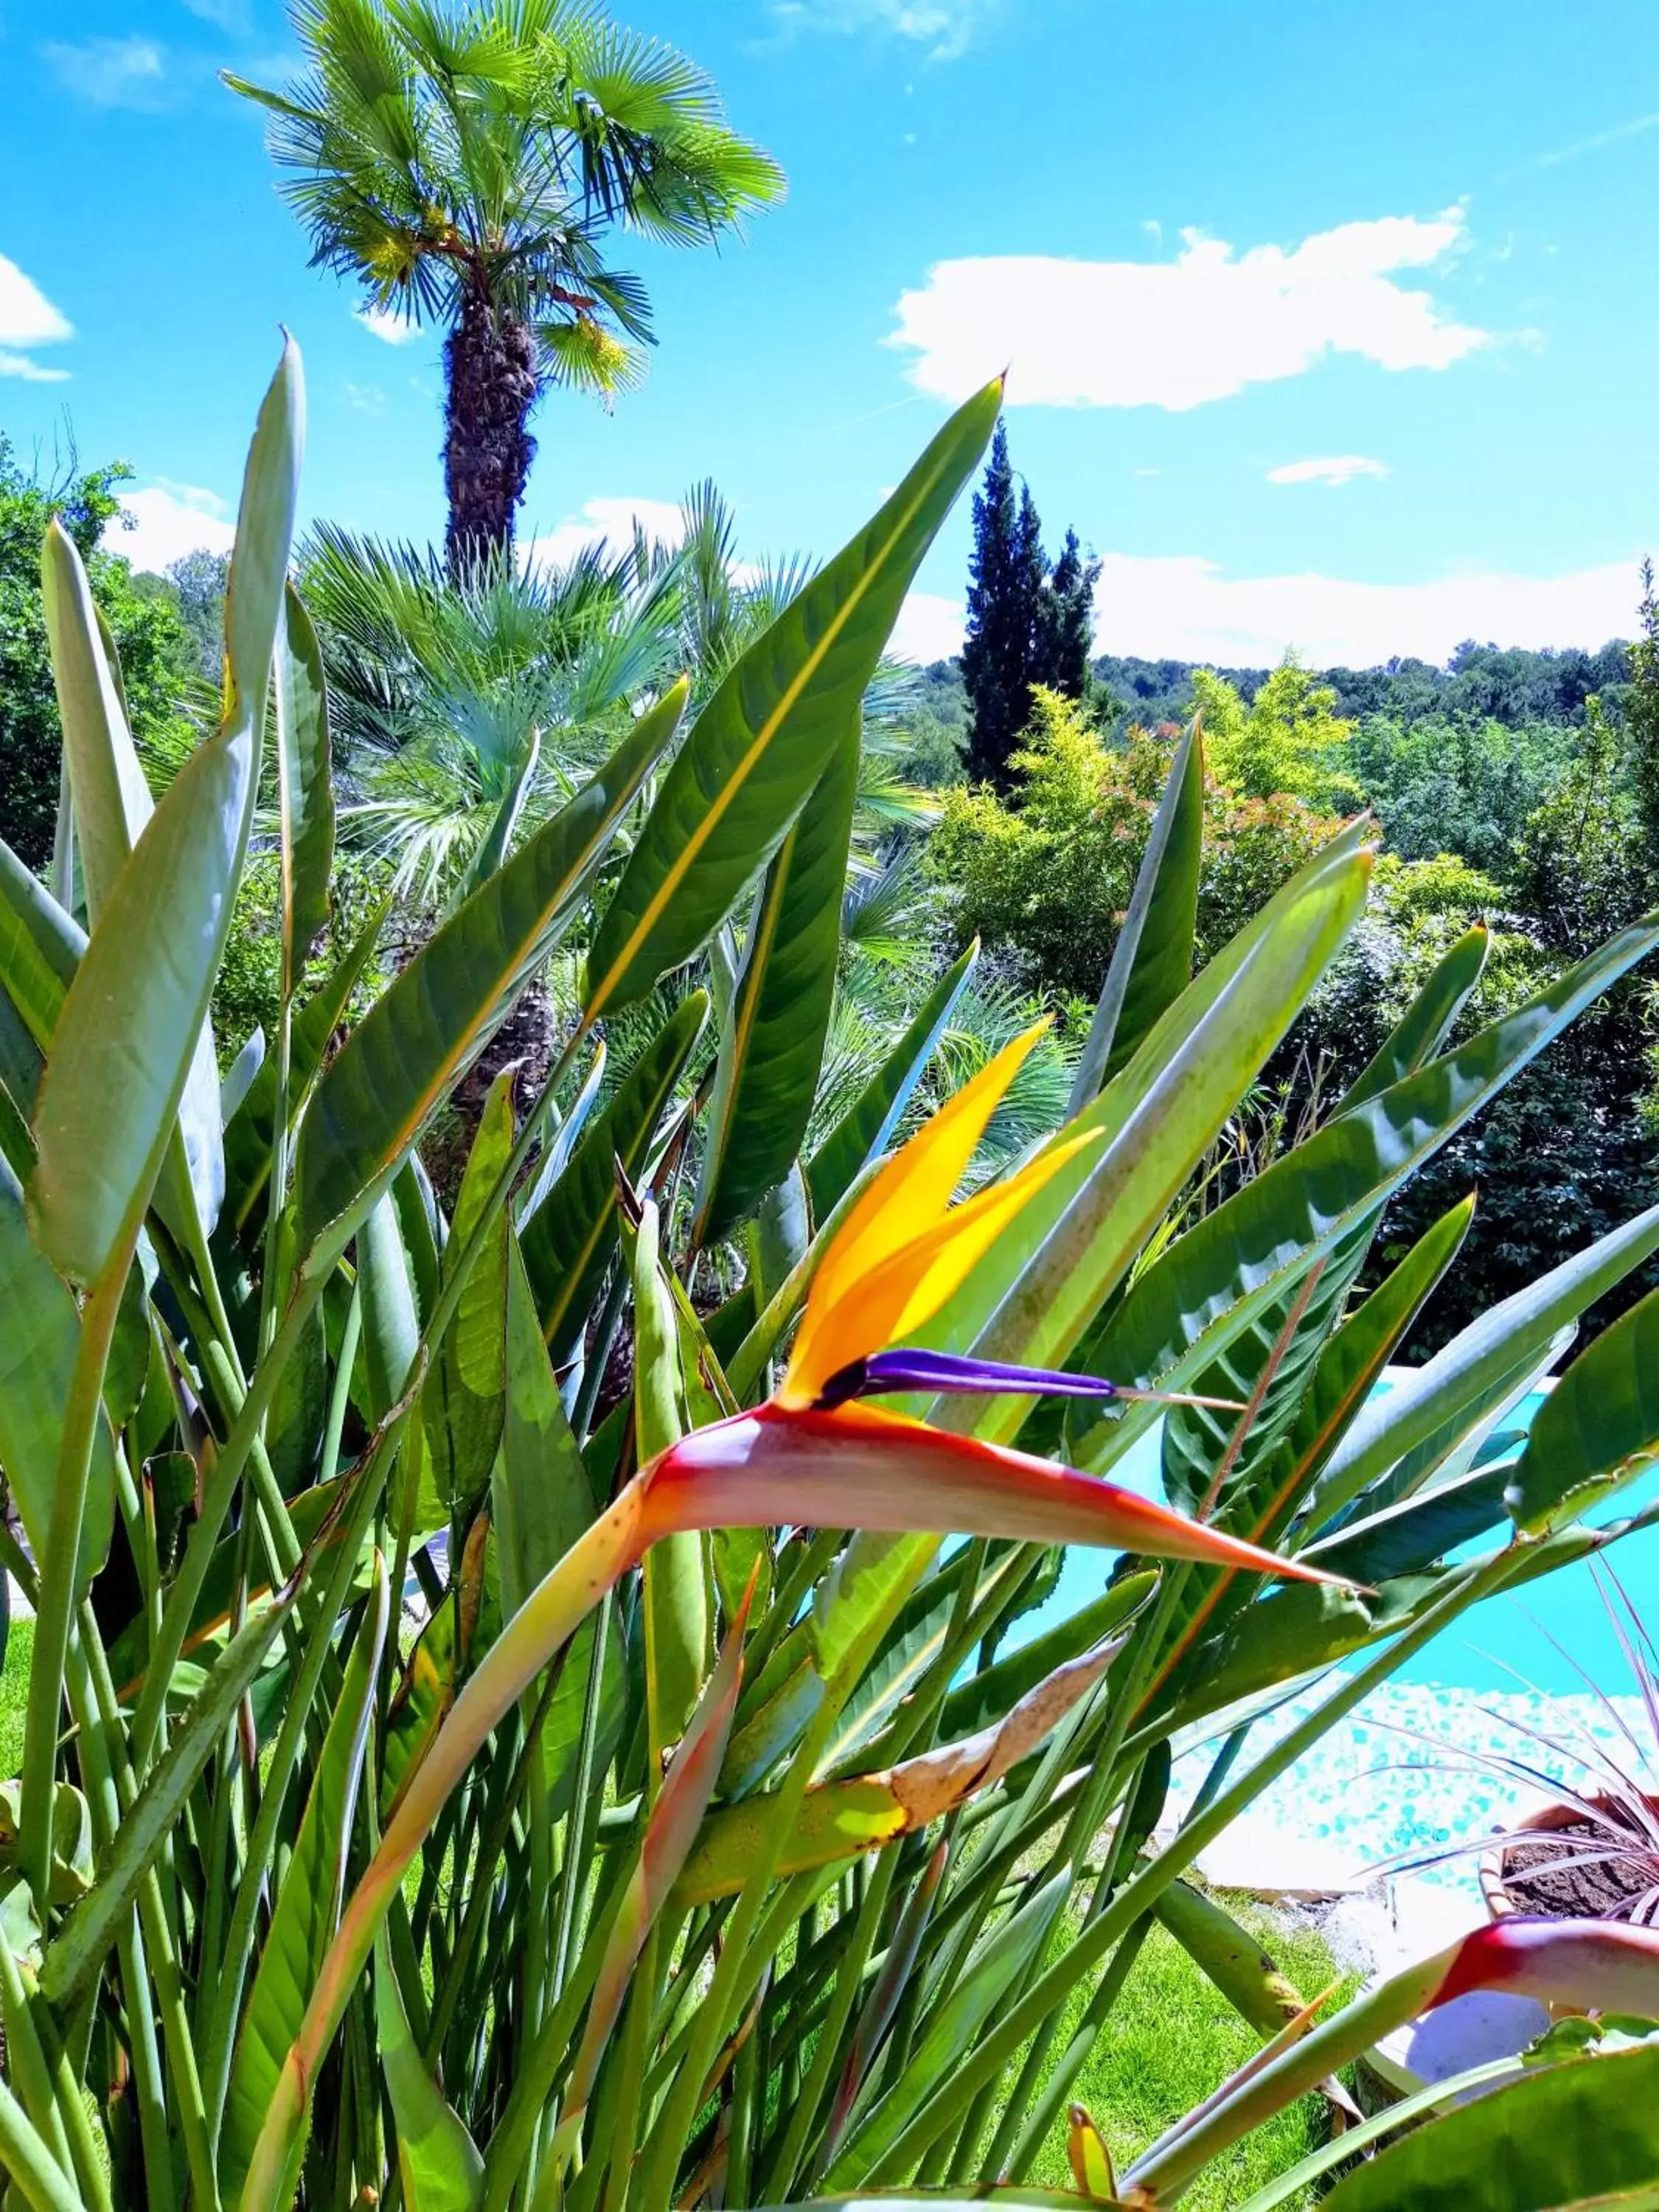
(687, 1848)
(1511, 787)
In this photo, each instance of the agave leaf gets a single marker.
(307, 1904)
(760, 744)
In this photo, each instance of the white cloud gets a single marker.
(1186, 608)
(367, 398)
(946, 27)
(607, 522)
(1176, 334)
(168, 520)
(381, 323)
(1189, 609)
(130, 72)
(227, 14)
(929, 628)
(1327, 468)
(27, 318)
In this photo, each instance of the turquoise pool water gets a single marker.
(1527, 1641)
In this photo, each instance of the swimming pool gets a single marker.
(1507, 1643)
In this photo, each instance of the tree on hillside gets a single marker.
(464, 165)
(1026, 624)
(1641, 720)
(1288, 741)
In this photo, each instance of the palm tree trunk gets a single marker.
(491, 359)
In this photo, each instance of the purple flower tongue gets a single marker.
(907, 1369)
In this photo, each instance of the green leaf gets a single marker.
(772, 1048)
(439, 2163)
(1585, 2133)
(391, 1323)
(132, 1022)
(1427, 1023)
(962, 2008)
(541, 1500)
(867, 1127)
(250, 1129)
(1041, 1286)
(147, 1824)
(1232, 1959)
(38, 1346)
(1151, 961)
(1237, 1261)
(111, 799)
(1479, 1367)
(761, 743)
(422, 1034)
(568, 1241)
(307, 1905)
(40, 948)
(1597, 1428)
(993, 1690)
(461, 1407)
(305, 784)
(265, 532)
(676, 1574)
(493, 849)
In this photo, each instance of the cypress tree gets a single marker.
(1065, 622)
(1025, 626)
(1006, 576)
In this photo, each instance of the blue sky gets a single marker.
(1330, 325)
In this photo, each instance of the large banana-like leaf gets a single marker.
(867, 1127)
(761, 743)
(1151, 961)
(772, 1048)
(422, 1034)
(131, 1023)
(438, 2162)
(568, 1241)
(1422, 1030)
(308, 1903)
(1478, 1368)
(1581, 2137)
(461, 1407)
(1597, 1428)
(675, 1596)
(111, 799)
(1035, 1294)
(1235, 1261)
(40, 948)
(305, 784)
(38, 1346)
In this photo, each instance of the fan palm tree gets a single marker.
(464, 164)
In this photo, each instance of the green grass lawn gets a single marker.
(13, 1695)
(1170, 2039)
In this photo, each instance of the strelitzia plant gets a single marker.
(707, 1836)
